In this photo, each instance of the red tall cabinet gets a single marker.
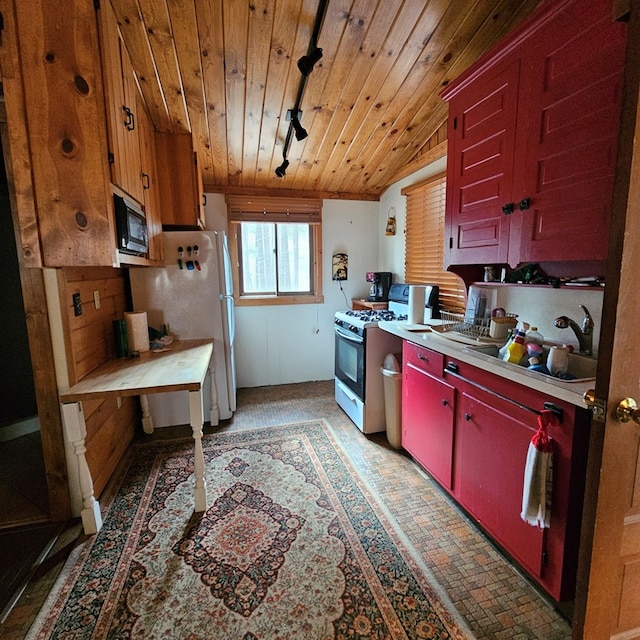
(532, 140)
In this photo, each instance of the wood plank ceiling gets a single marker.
(226, 70)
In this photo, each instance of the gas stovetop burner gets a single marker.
(372, 315)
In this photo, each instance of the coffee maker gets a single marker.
(380, 285)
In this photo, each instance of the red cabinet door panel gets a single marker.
(491, 451)
(574, 84)
(482, 124)
(428, 413)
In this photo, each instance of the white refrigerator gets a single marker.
(193, 295)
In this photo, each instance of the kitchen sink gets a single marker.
(582, 367)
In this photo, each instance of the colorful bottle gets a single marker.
(533, 335)
(516, 350)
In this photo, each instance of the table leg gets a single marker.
(196, 413)
(76, 431)
(147, 418)
(214, 417)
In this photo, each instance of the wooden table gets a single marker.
(182, 368)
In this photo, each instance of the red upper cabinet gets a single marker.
(482, 130)
(532, 140)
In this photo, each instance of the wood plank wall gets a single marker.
(89, 342)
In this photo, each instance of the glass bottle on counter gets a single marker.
(533, 335)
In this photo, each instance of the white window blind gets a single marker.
(424, 242)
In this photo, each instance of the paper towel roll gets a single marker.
(137, 331)
(416, 304)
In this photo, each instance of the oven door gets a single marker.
(349, 360)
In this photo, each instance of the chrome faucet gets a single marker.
(584, 333)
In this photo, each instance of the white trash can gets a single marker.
(392, 383)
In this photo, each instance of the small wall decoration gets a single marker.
(339, 266)
(391, 223)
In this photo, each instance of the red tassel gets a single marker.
(541, 440)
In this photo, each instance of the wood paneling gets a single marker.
(89, 342)
(16, 138)
(63, 95)
(370, 106)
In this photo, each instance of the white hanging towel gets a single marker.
(538, 474)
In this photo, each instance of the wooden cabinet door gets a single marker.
(132, 174)
(181, 189)
(121, 93)
(482, 127)
(491, 451)
(574, 92)
(150, 183)
(427, 422)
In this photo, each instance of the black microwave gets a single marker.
(131, 226)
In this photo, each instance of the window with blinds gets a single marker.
(275, 246)
(424, 242)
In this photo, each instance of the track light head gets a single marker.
(306, 63)
(301, 132)
(281, 171)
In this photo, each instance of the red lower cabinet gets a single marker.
(470, 430)
(491, 450)
(427, 422)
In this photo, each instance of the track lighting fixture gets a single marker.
(306, 63)
(281, 171)
(301, 132)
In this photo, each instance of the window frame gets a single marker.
(278, 211)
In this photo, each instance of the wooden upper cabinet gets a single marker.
(482, 141)
(122, 107)
(182, 198)
(574, 91)
(532, 141)
(150, 182)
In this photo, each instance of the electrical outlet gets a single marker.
(96, 298)
(77, 304)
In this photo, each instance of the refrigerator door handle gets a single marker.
(232, 329)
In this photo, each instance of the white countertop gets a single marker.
(571, 392)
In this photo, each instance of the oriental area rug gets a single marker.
(293, 544)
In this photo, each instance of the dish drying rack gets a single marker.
(474, 326)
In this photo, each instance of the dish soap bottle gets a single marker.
(516, 349)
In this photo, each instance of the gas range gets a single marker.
(361, 319)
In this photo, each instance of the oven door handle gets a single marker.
(348, 336)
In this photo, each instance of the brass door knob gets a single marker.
(589, 397)
(628, 410)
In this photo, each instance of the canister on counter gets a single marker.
(120, 338)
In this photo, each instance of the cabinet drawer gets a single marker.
(424, 359)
